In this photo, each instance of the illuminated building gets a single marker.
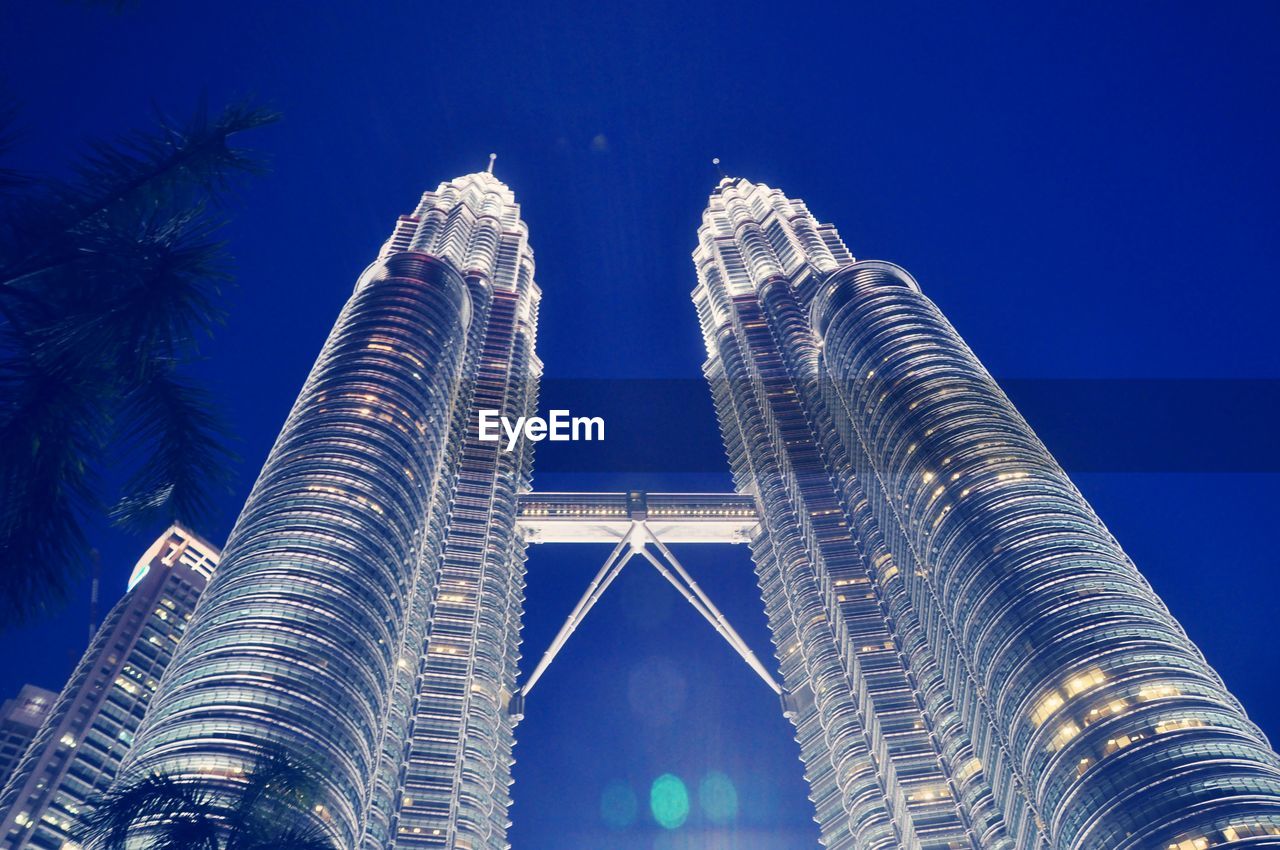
(457, 767)
(88, 730)
(971, 660)
(365, 617)
(20, 717)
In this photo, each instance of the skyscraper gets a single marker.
(366, 613)
(970, 658)
(87, 732)
(457, 768)
(20, 718)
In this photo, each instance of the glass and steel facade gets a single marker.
(20, 719)
(88, 730)
(457, 767)
(971, 660)
(365, 615)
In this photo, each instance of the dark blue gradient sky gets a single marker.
(1087, 193)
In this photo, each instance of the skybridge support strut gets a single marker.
(703, 604)
(640, 540)
(609, 571)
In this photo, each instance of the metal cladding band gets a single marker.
(1097, 722)
(296, 641)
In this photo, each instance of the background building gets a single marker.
(20, 718)
(86, 733)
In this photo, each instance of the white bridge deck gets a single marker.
(609, 517)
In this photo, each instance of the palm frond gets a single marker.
(269, 810)
(187, 462)
(139, 292)
(309, 837)
(50, 426)
(178, 273)
(170, 163)
(199, 832)
(156, 803)
(171, 168)
(107, 285)
(277, 796)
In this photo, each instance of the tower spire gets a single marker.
(492, 158)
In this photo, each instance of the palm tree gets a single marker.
(271, 809)
(107, 283)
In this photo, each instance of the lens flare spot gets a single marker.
(618, 805)
(669, 801)
(718, 797)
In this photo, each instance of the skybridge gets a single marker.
(640, 524)
(608, 517)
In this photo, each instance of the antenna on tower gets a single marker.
(492, 157)
(93, 593)
(716, 163)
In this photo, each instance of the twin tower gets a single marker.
(968, 657)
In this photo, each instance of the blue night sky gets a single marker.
(1087, 194)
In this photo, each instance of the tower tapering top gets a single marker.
(472, 222)
(752, 233)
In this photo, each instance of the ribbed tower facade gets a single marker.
(456, 767)
(365, 615)
(971, 661)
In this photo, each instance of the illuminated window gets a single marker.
(1066, 732)
(1116, 744)
(968, 769)
(1179, 723)
(1249, 830)
(1083, 682)
(1113, 707)
(1159, 690)
(929, 792)
(1046, 707)
(1191, 844)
